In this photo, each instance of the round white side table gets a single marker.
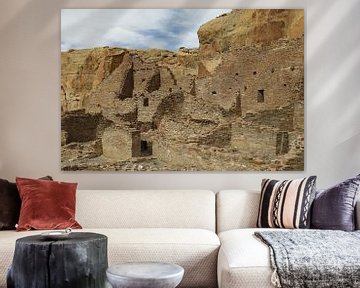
(145, 275)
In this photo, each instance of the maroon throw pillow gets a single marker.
(10, 204)
(46, 204)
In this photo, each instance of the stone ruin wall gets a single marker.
(280, 106)
(213, 91)
(121, 143)
(149, 99)
(117, 86)
(273, 119)
(78, 126)
(82, 71)
(192, 157)
(281, 82)
(266, 129)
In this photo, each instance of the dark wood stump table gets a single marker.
(78, 261)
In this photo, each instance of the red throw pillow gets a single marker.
(46, 204)
(10, 204)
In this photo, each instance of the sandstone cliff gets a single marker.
(236, 103)
(245, 28)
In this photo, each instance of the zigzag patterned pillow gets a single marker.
(286, 204)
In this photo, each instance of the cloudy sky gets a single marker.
(133, 28)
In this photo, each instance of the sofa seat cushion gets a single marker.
(244, 261)
(194, 249)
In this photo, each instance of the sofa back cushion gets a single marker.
(236, 209)
(146, 209)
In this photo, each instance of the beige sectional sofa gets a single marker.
(177, 226)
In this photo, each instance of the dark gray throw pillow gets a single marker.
(10, 204)
(334, 208)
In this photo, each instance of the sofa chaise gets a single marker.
(243, 261)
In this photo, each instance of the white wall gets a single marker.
(30, 89)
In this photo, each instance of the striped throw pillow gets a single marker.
(286, 204)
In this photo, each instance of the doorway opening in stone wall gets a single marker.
(146, 148)
(282, 143)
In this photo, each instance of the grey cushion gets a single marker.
(334, 208)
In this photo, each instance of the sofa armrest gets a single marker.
(357, 215)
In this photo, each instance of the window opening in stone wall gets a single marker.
(260, 96)
(146, 148)
(146, 102)
(282, 143)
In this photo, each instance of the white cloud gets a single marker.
(133, 28)
(189, 40)
(136, 19)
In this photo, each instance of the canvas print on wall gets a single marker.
(182, 90)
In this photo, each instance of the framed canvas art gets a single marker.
(182, 89)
